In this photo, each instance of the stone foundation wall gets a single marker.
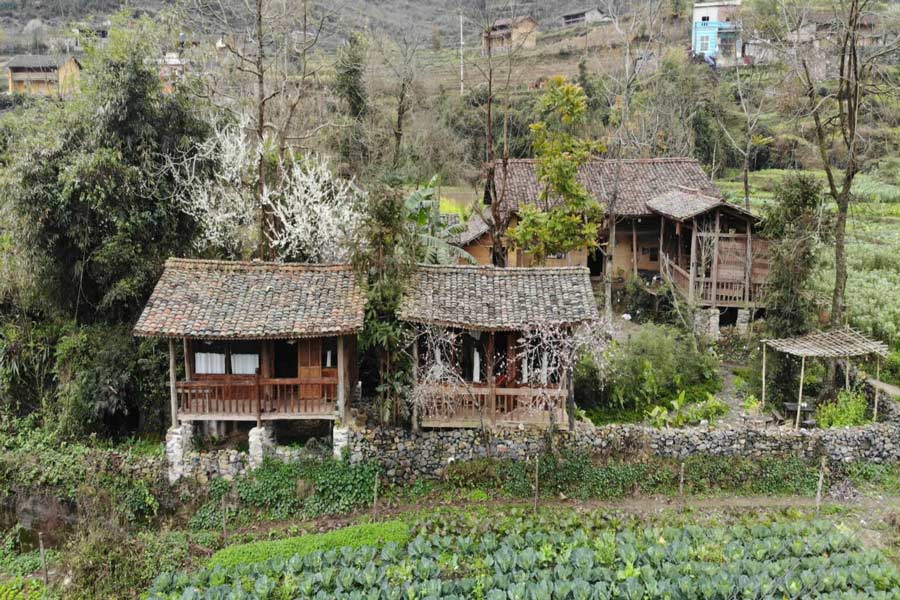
(406, 456)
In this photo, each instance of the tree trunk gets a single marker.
(398, 130)
(840, 261)
(747, 178)
(264, 249)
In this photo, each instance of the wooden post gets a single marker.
(258, 401)
(634, 245)
(681, 479)
(678, 230)
(693, 259)
(342, 380)
(877, 391)
(715, 265)
(662, 237)
(800, 394)
(415, 373)
(570, 404)
(188, 360)
(749, 264)
(43, 559)
(763, 403)
(847, 374)
(819, 486)
(492, 388)
(173, 388)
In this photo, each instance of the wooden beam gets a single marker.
(693, 259)
(634, 245)
(173, 390)
(764, 378)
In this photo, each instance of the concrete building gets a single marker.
(716, 32)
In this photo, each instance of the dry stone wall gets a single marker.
(406, 455)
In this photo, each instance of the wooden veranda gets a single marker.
(709, 251)
(491, 312)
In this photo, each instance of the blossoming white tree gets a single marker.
(315, 212)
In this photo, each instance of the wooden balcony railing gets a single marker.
(477, 405)
(248, 398)
(727, 292)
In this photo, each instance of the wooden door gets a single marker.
(309, 357)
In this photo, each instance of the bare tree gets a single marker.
(836, 97)
(400, 55)
(753, 103)
(626, 20)
(484, 15)
(266, 44)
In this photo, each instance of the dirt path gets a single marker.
(729, 395)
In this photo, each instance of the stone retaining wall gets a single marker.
(407, 455)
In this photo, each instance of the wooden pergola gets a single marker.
(840, 343)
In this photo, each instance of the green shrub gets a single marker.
(576, 475)
(22, 589)
(373, 534)
(657, 363)
(848, 410)
(105, 375)
(271, 491)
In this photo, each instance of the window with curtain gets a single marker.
(329, 353)
(244, 358)
(209, 358)
(472, 357)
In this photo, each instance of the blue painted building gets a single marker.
(716, 31)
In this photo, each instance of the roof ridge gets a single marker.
(501, 270)
(255, 264)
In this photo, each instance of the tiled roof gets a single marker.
(683, 203)
(640, 180)
(37, 61)
(475, 227)
(494, 299)
(212, 299)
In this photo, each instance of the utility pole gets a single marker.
(462, 72)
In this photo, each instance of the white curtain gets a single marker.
(209, 363)
(244, 364)
(328, 359)
(476, 366)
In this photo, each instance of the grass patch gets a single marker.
(371, 534)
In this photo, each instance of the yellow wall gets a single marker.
(623, 263)
(63, 82)
(69, 76)
(623, 254)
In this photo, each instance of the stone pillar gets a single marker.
(706, 323)
(340, 439)
(178, 446)
(742, 325)
(261, 442)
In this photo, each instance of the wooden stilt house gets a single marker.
(259, 341)
(494, 310)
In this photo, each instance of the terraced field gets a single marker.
(567, 555)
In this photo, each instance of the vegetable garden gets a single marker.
(564, 554)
